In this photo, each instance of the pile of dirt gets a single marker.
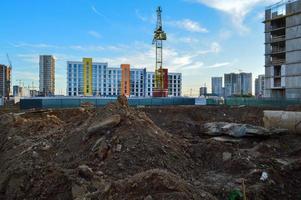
(119, 152)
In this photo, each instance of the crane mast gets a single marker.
(159, 36)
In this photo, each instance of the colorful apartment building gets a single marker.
(88, 78)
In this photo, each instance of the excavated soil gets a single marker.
(117, 152)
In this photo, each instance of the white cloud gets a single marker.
(188, 25)
(150, 19)
(29, 58)
(236, 9)
(214, 48)
(37, 45)
(140, 16)
(97, 12)
(26, 76)
(218, 65)
(94, 34)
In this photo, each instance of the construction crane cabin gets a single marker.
(161, 74)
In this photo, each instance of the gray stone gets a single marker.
(99, 143)
(109, 122)
(236, 130)
(227, 156)
(85, 171)
(35, 154)
(118, 147)
(99, 173)
(196, 183)
(148, 197)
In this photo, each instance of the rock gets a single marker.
(78, 191)
(236, 130)
(148, 197)
(99, 144)
(118, 147)
(264, 176)
(85, 171)
(99, 173)
(227, 156)
(35, 154)
(45, 146)
(109, 122)
(196, 183)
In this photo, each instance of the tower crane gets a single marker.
(159, 36)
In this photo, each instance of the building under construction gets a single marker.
(5, 80)
(283, 49)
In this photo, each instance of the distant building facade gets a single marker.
(5, 80)
(217, 85)
(283, 50)
(47, 75)
(259, 86)
(113, 81)
(203, 91)
(17, 91)
(238, 84)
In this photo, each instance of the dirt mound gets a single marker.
(119, 152)
(154, 184)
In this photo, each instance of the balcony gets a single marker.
(277, 74)
(277, 83)
(278, 38)
(277, 28)
(278, 61)
(276, 49)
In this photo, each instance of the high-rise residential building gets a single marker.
(5, 80)
(217, 85)
(238, 84)
(283, 49)
(113, 81)
(259, 86)
(47, 75)
(203, 91)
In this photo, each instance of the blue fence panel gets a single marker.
(70, 103)
(89, 101)
(266, 102)
(51, 103)
(103, 102)
(31, 103)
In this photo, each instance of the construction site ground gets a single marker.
(118, 152)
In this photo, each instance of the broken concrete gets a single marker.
(238, 130)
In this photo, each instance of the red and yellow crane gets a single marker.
(161, 82)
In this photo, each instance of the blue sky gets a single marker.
(205, 37)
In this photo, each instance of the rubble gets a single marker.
(238, 130)
(120, 152)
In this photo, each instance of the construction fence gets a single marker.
(65, 102)
(73, 102)
(262, 102)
